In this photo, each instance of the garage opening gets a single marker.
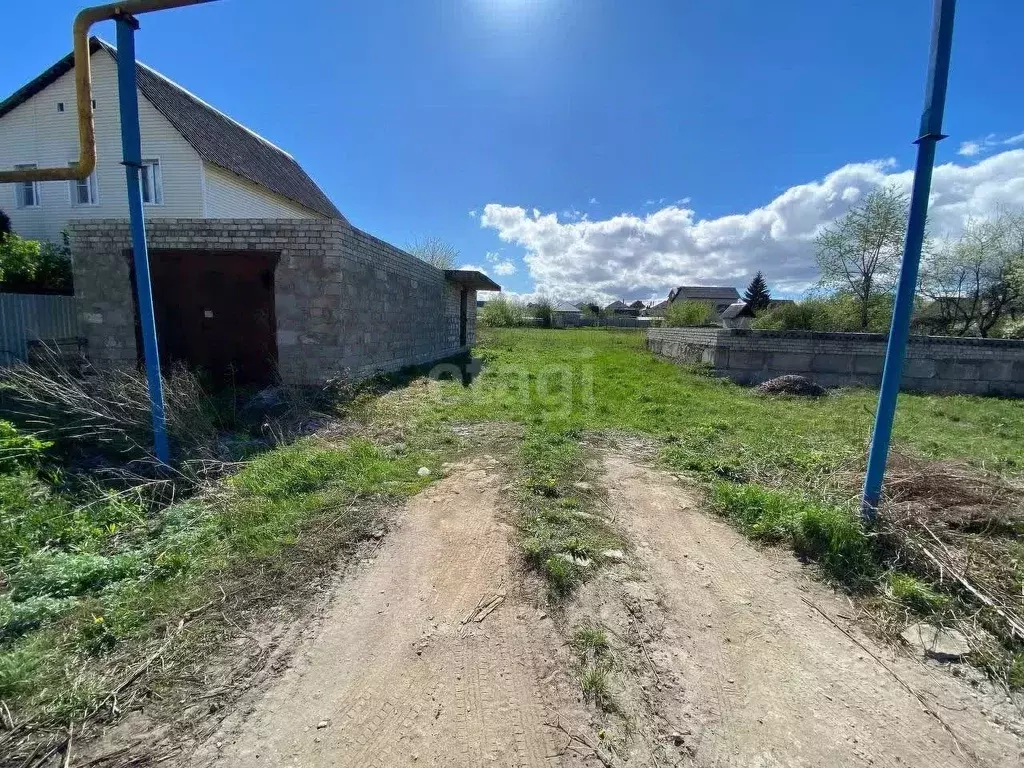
(215, 313)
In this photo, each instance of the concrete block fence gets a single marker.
(933, 363)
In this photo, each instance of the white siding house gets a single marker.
(197, 156)
(231, 197)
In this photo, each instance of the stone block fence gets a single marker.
(933, 363)
(345, 301)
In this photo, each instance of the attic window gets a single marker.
(60, 106)
(94, 103)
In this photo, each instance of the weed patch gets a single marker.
(560, 538)
(94, 584)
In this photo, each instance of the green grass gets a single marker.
(95, 578)
(780, 467)
(92, 585)
(828, 534)
(914, 593)
(562, 536)
(594, 665)
(590, 640)
(713, 426)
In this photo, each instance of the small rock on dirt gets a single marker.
(322, 724)
(791, 385)
(615, 555)
(582, 486)
(423, 472)
(936, 642)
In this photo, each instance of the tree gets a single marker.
(757, 295)
(681, 314)
(5, 224)
(973, 283)
(861, 251)
(544, 311)
(501, 312)
(30, 266)
(435, 252)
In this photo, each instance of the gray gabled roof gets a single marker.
(705, 293)
(565, 306)
(617, 305)
(215, 137)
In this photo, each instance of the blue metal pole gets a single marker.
(131, 147)
(930, 135)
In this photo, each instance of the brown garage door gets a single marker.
(215, 312)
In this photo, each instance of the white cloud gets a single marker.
(594, 201)
(977, 147)
(493, 256)
(472, 214)
(504, 268)
(643, 256)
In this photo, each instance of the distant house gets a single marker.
(565, 308)
(659, 309)
(718, 297)
(775, 303)
(621, 308)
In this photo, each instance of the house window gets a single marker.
(152, 182)
(27, 191)
(60, 106)
(84, 191)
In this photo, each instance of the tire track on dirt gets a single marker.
(754, 677)
(394, 676)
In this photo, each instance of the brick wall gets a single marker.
(933, 363)
(345, 300)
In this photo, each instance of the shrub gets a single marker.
(502, 312)
(17, 451)
(31, 266)
(1013, 329)
(688, 313)
(839, 313)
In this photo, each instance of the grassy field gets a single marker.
(95, 580)
(600, 379)
(784, 470)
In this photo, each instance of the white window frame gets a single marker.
(92, 186)
(152, 183)
(19, 188)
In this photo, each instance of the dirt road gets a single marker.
(431, 653)
(753, 675)
(394, 677)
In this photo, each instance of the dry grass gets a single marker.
(959, 529)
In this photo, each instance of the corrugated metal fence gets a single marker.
(26, 317)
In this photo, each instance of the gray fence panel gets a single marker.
(26, 317)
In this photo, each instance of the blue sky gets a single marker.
(726, 132)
